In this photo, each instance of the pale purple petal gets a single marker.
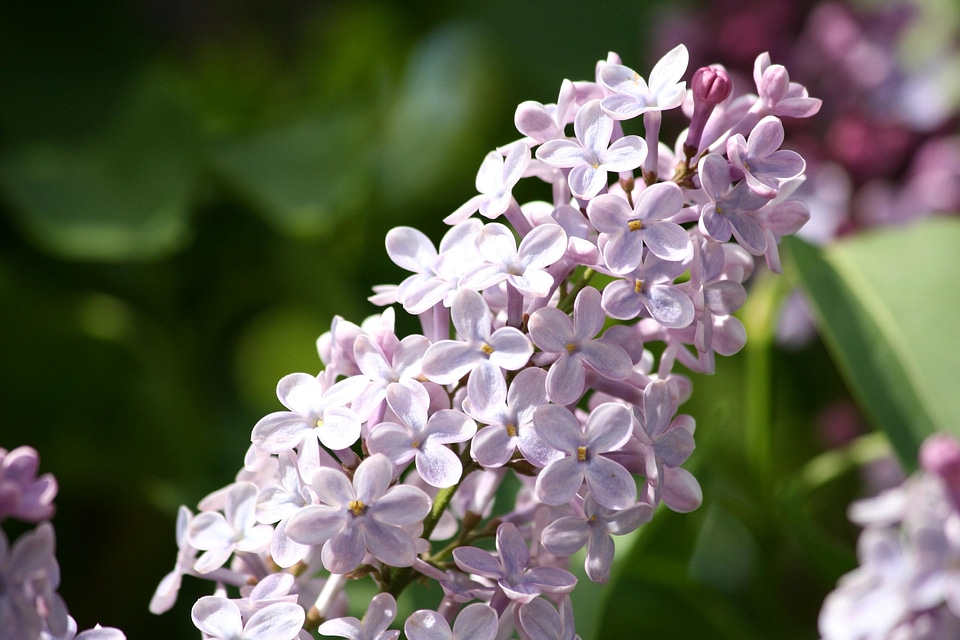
(277, 621)
(600, 552)
(410, 249)
(608, 427)
(372, 478)
(218, 617)
(550, 329)
(565, 536)
(607, 358)
(344, 552)
(670, 307)
(586, 180)
(315, 524)
(566, 380)
(427, 625)
(475, 622)
(477, 561)
(409, 404)
(588, 316)
(558, 428)
(402, 505)
(438, 466)
(563, 154)
(560, 481)
(388, 544)
(448, 360)
(625, 154)
(610, 484)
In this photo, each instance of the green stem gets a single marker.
(566, 302)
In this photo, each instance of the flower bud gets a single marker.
(940, 455)
(711, 84)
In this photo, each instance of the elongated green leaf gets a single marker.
(886, 304)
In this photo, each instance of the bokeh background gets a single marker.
(190, 191)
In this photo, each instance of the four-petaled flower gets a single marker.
(633, 96)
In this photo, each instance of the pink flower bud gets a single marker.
(711, 84)
(940, 455)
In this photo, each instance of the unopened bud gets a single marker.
(711, 84)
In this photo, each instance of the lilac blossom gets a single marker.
(220, 618)
(435, 272)
(422, 438)
(731, 207)
(96, 633)
(625, 231)
(475, 622)
(591, 156)
(523, 268)
(546, 122)
(24, 495)
(480, 351)
(375, 624)
(30, 576)
(382, 370)
(607, 429)
(554, 332)
(779, 96)
(510, 567)
(540, 621)
(497, 176)
(650, 287)
(510, 423)
(565, 536)
(165, 595)
(314, 410)
(365, 515)
(633, 96)
(276, 502)
(763, 164)
(218, 535)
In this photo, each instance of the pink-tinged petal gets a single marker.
(783, 165)
(748, 233)
(611, 485)
(462, 213)
(492, 446)
(528, 389)
(659, 201)
(621, 106)
(315, 524)
(218, 617)
(766, 137)
(799, 107)
(668, 70)
(599, 557)
(543, 246)
(715, 176)
(515, 163)
(349, 628)
(725, 297)
(402, 505)
(332, 487)
(419, 293)
(670, 307)
(410, 404)
(621, 301)
(372, 478)
(560, 481)
(343, 552)
(623, 251)
(277, 621)
(592, 128)
(535, 283)
(428, 625)
(658, 407)
(300, 392)
(609, 213)
(390, 545)
(438, 466)
(588, 316)
(534, 120)
(280, 431)
(476, 621)
(550, 329)
(485, 388)
(447, 361)
(784, 218)
(587, 180)
(447, 426)
(566, 380)
(607, 358)
(625, 154)
(410, 249)
(392, 440)
(729, 335)
(774, 84)
(511, 348)
(563, 154)
(497, 244)
(340, 428)
(675, 447)
(608, 427)
(370, 359)
(565, 536)
(477, 561)
(622, 79)
(681, 492)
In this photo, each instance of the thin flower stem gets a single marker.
(566, 302)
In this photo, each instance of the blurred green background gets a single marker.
(190, 191)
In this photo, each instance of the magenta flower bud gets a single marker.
(940, 455)
(711, 85)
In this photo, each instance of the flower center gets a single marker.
(357, 507)
(487, 349)
(635, 225)
(571, 347)
(638, 286)
(581, 454)
(319, 423)
(511, 430)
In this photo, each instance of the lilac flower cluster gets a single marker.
(387, 463)
(30, 607)
(908, 581)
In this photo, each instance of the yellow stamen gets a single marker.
(487, 349)
(571, 347)
(637, 286)
(635, 225)
(319, 423)
(356, 507)
(511, 430)
(581, 454)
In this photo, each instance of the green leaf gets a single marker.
(886, 304)
(121, 195)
